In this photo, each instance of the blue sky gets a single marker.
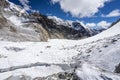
(108, 11)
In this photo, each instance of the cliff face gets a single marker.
(4, 3)
(18, 25)
(3, 20)
(62, 31)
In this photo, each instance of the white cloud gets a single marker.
(25, 4)
(90, 24)
(55, 1)
(81, 8)
(101, 24)
(114, 13)
(56, 18)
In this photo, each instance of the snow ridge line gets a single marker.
(63, 66)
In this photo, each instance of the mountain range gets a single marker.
(38, 47)
(19, 25)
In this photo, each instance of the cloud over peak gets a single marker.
(25, 4)
(113, 13)
(101, 24)
(81, 8)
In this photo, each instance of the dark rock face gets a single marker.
(44, 27)
(105, 78)
(61, 31)
(78, 26)
(3, 3)
(117, 69)
(68, 76)
(60, 76)
(3, 21)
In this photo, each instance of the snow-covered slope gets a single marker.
(41, 59)
(13, 28)
(114, 30)
(18, 25)
(93, 58)
(89, 72)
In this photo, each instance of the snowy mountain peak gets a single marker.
(24, 57)
(30, 24)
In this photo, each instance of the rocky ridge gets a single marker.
(35, 26)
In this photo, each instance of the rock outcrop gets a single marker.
(4, 3)
(15, 26)
(117, 69)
